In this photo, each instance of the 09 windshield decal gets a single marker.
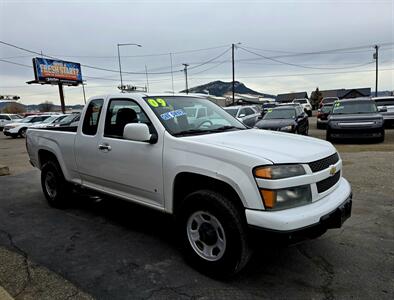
(157, 102)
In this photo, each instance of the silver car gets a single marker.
(386, 108)
(248, 115)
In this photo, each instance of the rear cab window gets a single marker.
(92, 117)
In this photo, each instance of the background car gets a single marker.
(355, 119)
(20, 127)
(248, 115)
(70, 120)
(322, 116)
(8, 118)
(386, 108)
(327, 100)
(50, 122)
(306, 105)
(266, 106)
(291, 119)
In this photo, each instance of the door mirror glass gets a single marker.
(241, 115)
(137, 132)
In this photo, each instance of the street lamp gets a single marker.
(120, 66)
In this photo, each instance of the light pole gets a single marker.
(120, 65)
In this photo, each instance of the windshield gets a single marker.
(50, 119)
(26, 120)
(15, 117)
(299, 101)
(177, 115)
(326, 108)
(330, 100)
(280, 114)
(67, 119)
(354, 107)
(232, 111)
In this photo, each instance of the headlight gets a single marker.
(286, 128)
(279, 171)
(286, 198)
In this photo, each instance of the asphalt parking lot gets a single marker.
(109, 249)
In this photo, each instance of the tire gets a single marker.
(22, 132)
(381, 139)
(306, 132)
(54, 186)
(328, 136)
(210, 222)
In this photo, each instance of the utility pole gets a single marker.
(376, 56)
(232, 60)
(120, 66)
(172, 74)
(185, 70)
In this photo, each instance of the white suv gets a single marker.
(8, 118)
(20, 127)
(306, 105)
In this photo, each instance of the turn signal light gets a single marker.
(269, 198)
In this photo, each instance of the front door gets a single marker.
(131, 169)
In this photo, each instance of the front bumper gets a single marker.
(319, 213)
(365, 133)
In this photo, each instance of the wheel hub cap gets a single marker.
(206, 235)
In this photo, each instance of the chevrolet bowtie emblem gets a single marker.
(333, 170)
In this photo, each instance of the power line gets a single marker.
(146, 55)
(300, 66)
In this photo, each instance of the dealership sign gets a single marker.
(51, 71)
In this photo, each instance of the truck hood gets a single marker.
(275, 146)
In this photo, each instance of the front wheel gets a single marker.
(54, 185)
(328, 136)
(214, 234)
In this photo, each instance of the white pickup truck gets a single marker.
(220, 179)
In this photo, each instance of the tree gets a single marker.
(46, 106)
(14, 108)
(316, 97)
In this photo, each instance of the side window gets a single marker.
(248, 111)
(92, 116)
(242, 112)
(3, 118)
(121, 112)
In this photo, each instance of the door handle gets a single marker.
(105, 147)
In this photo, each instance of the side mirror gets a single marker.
(382, 109)
(241, 115)
(138, 132)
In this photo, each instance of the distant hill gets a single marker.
(220, 88)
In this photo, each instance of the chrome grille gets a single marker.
(324, 163)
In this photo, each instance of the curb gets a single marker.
(4, 295)
(4, 170)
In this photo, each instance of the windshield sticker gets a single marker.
(270, 110)
(173, 114)
(157, 102)
(338, 107)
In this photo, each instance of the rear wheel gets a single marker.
(54, 185)
(214, 234)
(22, 132)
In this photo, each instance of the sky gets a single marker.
(277, 38)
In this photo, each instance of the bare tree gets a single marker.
(14, 108)
(46, 106)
